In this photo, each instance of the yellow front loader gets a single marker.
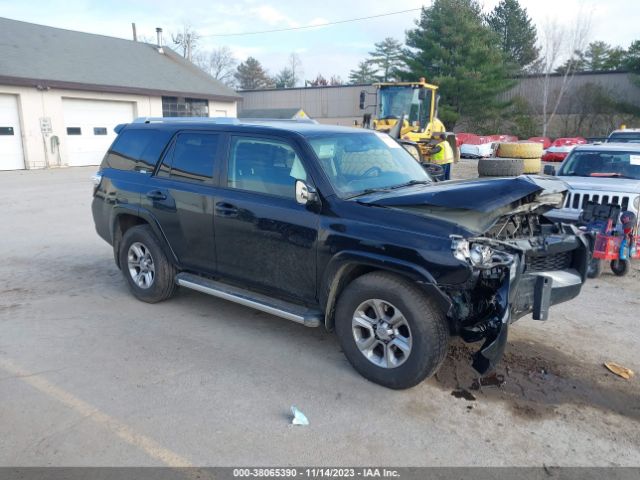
(415, 104)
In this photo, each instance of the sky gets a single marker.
(330, 50)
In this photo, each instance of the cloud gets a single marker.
(273, 16)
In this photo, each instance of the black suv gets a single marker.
(338, 227)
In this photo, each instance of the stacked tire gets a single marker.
(512, 159)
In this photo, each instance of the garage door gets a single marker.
(89, 128)
(11, 156)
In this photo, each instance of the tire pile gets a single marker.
(512, 159)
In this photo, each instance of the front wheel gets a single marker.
(390, 330)
(595, 268)
(620, 267)
(148, 271)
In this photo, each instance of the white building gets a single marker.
(62, 92)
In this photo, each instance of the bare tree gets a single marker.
(186, 40)
(219, 63)
(560, 43)
(295, 66)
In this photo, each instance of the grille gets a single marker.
(542, 263)
(578, 201)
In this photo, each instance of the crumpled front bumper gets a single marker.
(522, 293)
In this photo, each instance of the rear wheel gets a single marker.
(391, 331)
(620, 267)
(150, 275)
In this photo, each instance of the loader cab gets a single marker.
(416, 100)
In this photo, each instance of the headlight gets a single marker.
(460, 248)
(636, 203)
(556, 199)
(478, 254)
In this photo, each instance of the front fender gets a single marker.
(347, 265)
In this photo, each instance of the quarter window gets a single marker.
(194, 156)
(264, 166)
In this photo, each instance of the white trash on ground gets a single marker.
(299, 418)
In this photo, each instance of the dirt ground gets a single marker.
(90, 376)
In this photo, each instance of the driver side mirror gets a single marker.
(305, 194)
(363, 99)
(549, 170)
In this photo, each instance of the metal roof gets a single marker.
(283, 113)
(37, 55)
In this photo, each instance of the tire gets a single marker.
(136, 243)
(519, 150)
(531, 165)
(422, 327)
(620, 267)
(500, 167)
(594, 269)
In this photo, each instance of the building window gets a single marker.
(184, 107)
(6, 130)
(74, 131)
(99, 130)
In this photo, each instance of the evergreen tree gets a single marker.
(387, 57)
(365, 73)
(516, 32)
(250, 75)
(285, 78)
(452, 47)
(631, 59)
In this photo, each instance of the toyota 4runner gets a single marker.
(335, 227)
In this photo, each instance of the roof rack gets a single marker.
(218, 120)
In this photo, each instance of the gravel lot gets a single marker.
(90, 376)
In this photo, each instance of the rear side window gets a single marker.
(136, 149)
(194, 156)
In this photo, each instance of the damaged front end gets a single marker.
(519, 261)
(522, 265)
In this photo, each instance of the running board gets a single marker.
(279, 308)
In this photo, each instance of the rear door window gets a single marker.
(136, 149)
(193, 157)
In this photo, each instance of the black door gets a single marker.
(264, 238)
(180, 197)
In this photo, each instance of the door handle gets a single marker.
(226, 209)
(156, 195)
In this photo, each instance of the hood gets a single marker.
(481, 195)
(604, 184)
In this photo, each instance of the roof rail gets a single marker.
(218, 120)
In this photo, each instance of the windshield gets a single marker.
(602, 164)
(624, 137)
(394, 101)
(359, 162)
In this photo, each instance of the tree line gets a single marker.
(471, 55)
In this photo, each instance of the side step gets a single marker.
(279, 308)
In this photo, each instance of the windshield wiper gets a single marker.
(411, 182)
(367, 191)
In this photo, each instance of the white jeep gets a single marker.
(607, 173)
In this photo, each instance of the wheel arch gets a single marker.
(125, 219)
(347, 266)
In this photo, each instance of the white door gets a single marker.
(11, 155)
(89, 128)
